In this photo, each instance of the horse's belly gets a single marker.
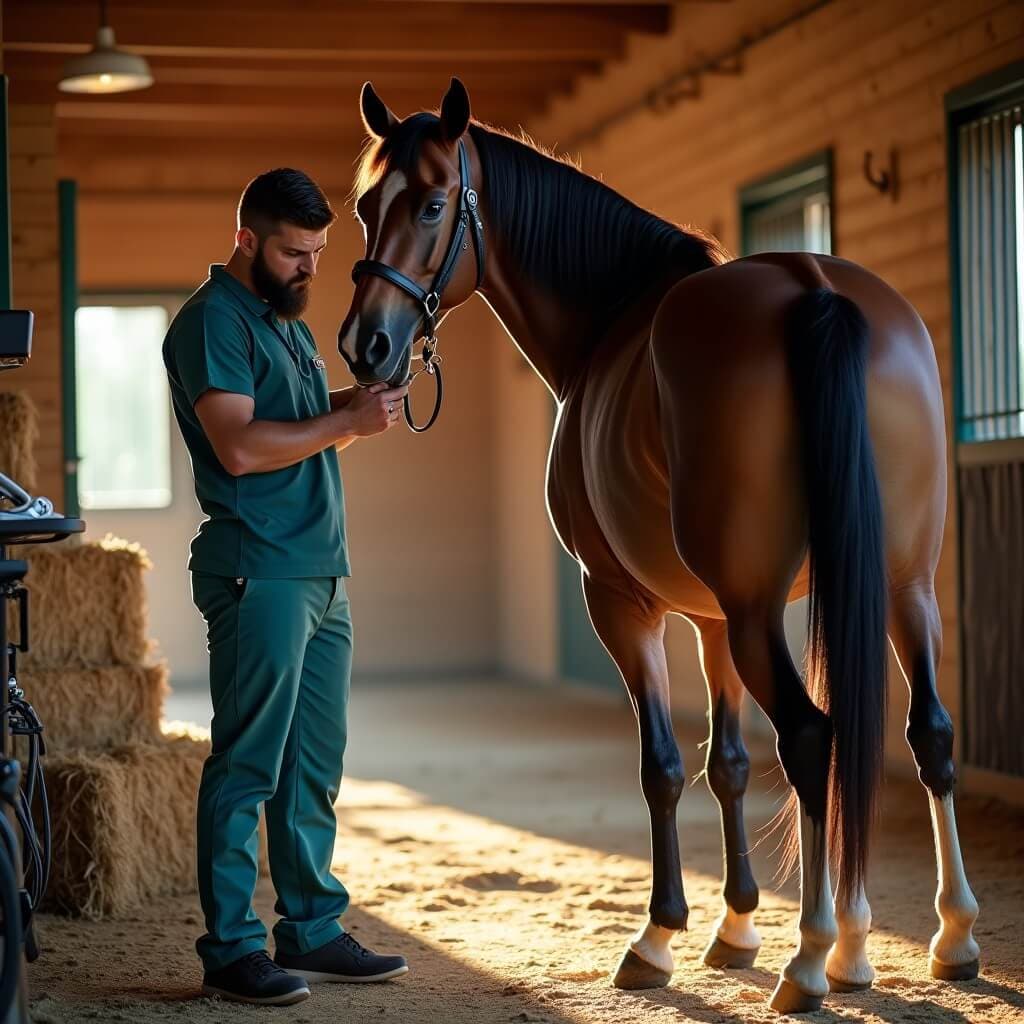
(626, 479)
(638, 529)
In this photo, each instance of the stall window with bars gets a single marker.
(990, 269)
(790, 211)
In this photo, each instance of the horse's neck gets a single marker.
(553, 337)
(557, 339)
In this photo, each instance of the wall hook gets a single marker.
(887, 179)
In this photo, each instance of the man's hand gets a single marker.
(247, 445)
(374, 409)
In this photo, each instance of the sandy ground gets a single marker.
(497, 837)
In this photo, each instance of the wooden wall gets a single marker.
(35, 272)
(852, 75)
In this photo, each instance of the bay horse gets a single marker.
(731, 435)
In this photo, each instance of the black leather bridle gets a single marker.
(468, 220)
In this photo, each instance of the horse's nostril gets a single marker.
(379, 348)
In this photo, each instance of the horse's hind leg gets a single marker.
(917, 637)
(634, 638)
(847, 967)
(762, 659)
(735, 941)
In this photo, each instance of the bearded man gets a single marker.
(268, 568)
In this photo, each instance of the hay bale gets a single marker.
(88, 604)
(124, 825)
(97, 707)
(19, 431)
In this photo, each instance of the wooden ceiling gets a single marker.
(256, 73)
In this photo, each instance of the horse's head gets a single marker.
(418, 211)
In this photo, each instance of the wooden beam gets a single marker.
(113, 165)
(144, 121)
(347, 74)
(298, 94)
(187, 133)
(444, 32)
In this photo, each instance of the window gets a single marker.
(987, 225)
(789, 211)
(123, 407)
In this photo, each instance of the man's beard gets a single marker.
(287, 299)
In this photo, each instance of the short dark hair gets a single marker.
(284, 194)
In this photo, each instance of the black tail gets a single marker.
(847, 656)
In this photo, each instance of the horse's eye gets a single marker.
(432, 211)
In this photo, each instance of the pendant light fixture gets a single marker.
(105, 68)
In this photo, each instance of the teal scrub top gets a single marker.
(285, 523)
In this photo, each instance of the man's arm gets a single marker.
(340, 398)
(247, 445)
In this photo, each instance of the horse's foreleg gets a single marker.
(759, 651)
(917, 637)
(635, 640)
(734, 941)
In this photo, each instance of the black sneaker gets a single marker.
(255, 978)
(342, 959)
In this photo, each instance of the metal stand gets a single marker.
(15, 530)
(11, 575)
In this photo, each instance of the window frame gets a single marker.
(986, 95)
(171, 300)
(766, 189)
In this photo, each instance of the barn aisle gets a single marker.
(496, 836)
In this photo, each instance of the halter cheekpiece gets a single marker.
(430, 300)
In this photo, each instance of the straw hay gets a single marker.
(122, 785)
(96, 707)
(88, 604)
(19, 431)
(124, 825)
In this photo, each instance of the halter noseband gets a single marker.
(468, 219)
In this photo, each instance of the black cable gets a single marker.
(32, 854)
(44, 802)
(37, 853)
(33, 755)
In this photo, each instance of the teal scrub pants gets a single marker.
(280, 663)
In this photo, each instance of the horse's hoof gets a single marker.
(635, 972)
(789, 999)
(837, 985)
(720, 954)
(954, 972)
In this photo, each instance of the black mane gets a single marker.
(566, 230)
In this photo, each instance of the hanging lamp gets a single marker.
(105, 68)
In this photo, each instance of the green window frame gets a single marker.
(986, 229)
(790, 210)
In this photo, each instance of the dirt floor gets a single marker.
(496, 836)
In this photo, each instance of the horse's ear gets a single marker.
(377, 118)
(455, 111)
